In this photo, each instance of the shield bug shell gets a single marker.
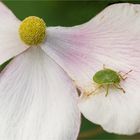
(106, 76)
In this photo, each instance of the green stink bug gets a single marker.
(108, 77)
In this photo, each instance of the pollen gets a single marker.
(32, 30)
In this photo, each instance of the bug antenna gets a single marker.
(127, 72)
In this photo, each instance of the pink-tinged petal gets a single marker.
(10, 43)
(37, 100)
(111, 38)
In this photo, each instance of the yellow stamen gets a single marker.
(32, 30)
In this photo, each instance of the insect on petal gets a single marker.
(37, 100)
(111, 38)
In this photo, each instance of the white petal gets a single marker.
(10, 43)
(111, 38)
(37, 100)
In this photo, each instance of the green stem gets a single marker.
(90, 133)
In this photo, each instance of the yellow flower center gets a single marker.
(32, 30)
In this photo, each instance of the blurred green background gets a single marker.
(68, 13)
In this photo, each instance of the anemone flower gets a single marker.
(38, 97)
(112, 39)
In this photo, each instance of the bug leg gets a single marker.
(126, 74)
(93, 92)
(120, 75)
(107, 90)
(119, 87)
(123, 76)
